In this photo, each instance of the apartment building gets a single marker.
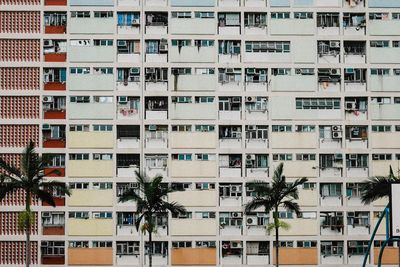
(211, 94)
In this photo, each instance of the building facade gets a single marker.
(211, 94)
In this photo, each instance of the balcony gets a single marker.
(91, 54)
(90, 256)
(127, 171)
(91, 25)
(91, 82)
(194, 168)
(194, 256)
(193, 111)
(90, 227)
(91, 168)
(384, 83)
(91, 198)
(128, 143)
(230, 172)
(290, 140)
(294, 83)
(192, 54)
(55, 29)
(292, 27)
(54, 114)
(55, 86)
(193, 82)
(195, 198)
(297, 256)
(384, 111)
(54, 143)
(194, 26)
(193, 227)
(91, 111)
(156, 139)
(90, 140)
(194, 140)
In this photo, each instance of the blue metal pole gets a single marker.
(381, 252)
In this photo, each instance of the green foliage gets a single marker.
(278, 224)
(26, 219)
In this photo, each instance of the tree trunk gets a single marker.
(150, 249)
(28, 230)
(276, 237)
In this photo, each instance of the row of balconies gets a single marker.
(353, 5)
(229, 252)
(229, 108)
(159, 23)
(228, 79)
(157, 51)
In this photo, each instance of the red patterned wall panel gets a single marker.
(20, 22)
(19, 107)
(19, 2)
(18, 135)
(20, 50)
(13, 252)
(9, 224)
(19, 78)
(17, 198)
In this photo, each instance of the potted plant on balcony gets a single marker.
(150, 200)
(29, 178)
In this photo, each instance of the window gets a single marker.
(181, 128)
(255, 19)
(103, 99)
(282, 157)
(79, 99)
(204, 128)
(285, 244)
(103, 70)
(332, 248)
(78, 214)
(358, 218)
(205, 186)
(317, 103)
(281, 128)
(79, 128)
(280, 15)
(78, 244)
(52, 248)
(380, 71)
(102, 244)
(204, 215)
(182, 157)
(79, 185)
(267, 46)
(102, 186)
(285, 215)
(331, 190)
(181, 43)
(357, 160)
(53, 218)
(305, 128)
(254, 132)
(103, 14)
(103, 42)
(357, 247)
(202, 157)
(353, 190)
(204, 15)
(303, 15)
(381, 128)
(102, 215)
(203, 43)
(74, 156)
(181, 99)
(80, 14)
(81, 70)
(182, 244)
(381, 156)
(379, 43)
(309, 186)
(181, 15)
(305, 157)
(207, 244)
(306, 244)
(128, 248)
(99, 156)
(128, 19)
(102, 128)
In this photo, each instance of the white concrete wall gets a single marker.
(90, 82)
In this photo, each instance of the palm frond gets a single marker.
(291, 206)
(9, 186)
(258, 202)
(278, 224)
(376, 187)
(56, 186)
(45, 196)
(9, 168)
(174, 207)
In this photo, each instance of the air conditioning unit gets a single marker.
(349, 70)
(250, 157)
(122, 99)
(334, 44)
(337, 135)
(121, 43)
(163, 47)
(134, 71)
(46, 126)
(150, 70)
(47, 99)
(298, 71)
(336, 128)
(251, 220)
(135, 22)
(96, 215)
(350, 105)
(236, 214)
(152, 127)
(251, 99)
(48, 43)
(338, 156)
(46, 214)
(334, 71)
(236, 244)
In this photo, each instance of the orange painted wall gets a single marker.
(54, 115)
(55, 230)
(55, 2)
(47, 172)
(55, 29)
(390, 256)
(55, 86)
(60, 201)
(55, 57)
(193, 256)
(57, 260)
(90, 256)
(297, 256)
(54, 144)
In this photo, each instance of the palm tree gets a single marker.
(29, 177)
(377, 187)
(271, 197)
(150, 202)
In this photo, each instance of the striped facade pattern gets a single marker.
(20, 50)
(20, 22)
(9, 224)
(13, 252)
(24, 78)
(19, 107)
(18, 135)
